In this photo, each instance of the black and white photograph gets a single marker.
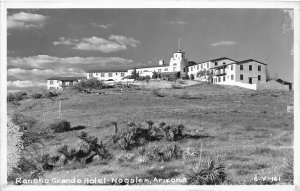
(150, 96)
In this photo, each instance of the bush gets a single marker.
(37, 96)
(88, 85)
(50, 95)
(60, 126)
(11, 97)
(24, 122)
(20, 96)
(206, 172)
(26, 165)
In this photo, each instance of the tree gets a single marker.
(88, 85)
(192, 77)
(134, 74)
(155, 75)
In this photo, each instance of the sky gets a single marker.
(43, 43)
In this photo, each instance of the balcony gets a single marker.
(220, 72)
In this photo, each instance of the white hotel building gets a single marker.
(248, 73)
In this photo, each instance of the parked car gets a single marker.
(109, 82)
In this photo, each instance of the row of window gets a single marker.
(250, 68)
(109, 74)
(232, 78)
(242, 77)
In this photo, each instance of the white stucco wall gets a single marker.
(251, 74)
(116, 76)
(54, 86)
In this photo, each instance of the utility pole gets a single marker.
(179, 44)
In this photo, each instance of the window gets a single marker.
(116, 73)
(224, 78)
(201, 66)
(224, 63)
(259, 68)
(259, 77)
(159, 70)
(197, 67)
(166, 69)
(216, 63)
(250, 67)
(183, 69)
(232, 67)
(122, 74)
(174, 64)
(191, 69)
(241, 67)
(231, 77)
(109, 74)
(90, 75)
(102, 74)
(219, 79)
(51, 82)
(241, 77)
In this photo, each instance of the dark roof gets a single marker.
(222, 58)
(217, 59)
(66, 78)
(283, 82)
(151, 66)
(250, 60)
(107, 70)
(192, 63)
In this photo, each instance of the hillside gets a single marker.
(250, 130)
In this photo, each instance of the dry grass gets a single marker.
(245, 127)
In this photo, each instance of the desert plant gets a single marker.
(26, 165)
(20, 96)
(98, 149)
(206, 172)
(37, 96)
(60, 126)
(190, 153)
(50, 94)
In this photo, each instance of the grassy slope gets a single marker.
(249, 129)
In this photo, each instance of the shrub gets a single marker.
(11, 97)
(98, 149)
(60, 126)
(88, 85)
(23, 121)
(206, 172)
(50, 95)
(37, 96)
(26, 165)
(20, 96)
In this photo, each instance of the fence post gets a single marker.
(59, 110)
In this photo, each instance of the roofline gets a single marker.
(250, 60)
(73, 78)
(105, 71)
(222, 58)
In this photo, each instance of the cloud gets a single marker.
(224, 43)
(103, 26)
(44, 62)
(24, 84)
(114, 43)
(34, 70)
(25, 20)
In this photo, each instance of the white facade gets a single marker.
(225, 71)
(60, 83)
(108, 75)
